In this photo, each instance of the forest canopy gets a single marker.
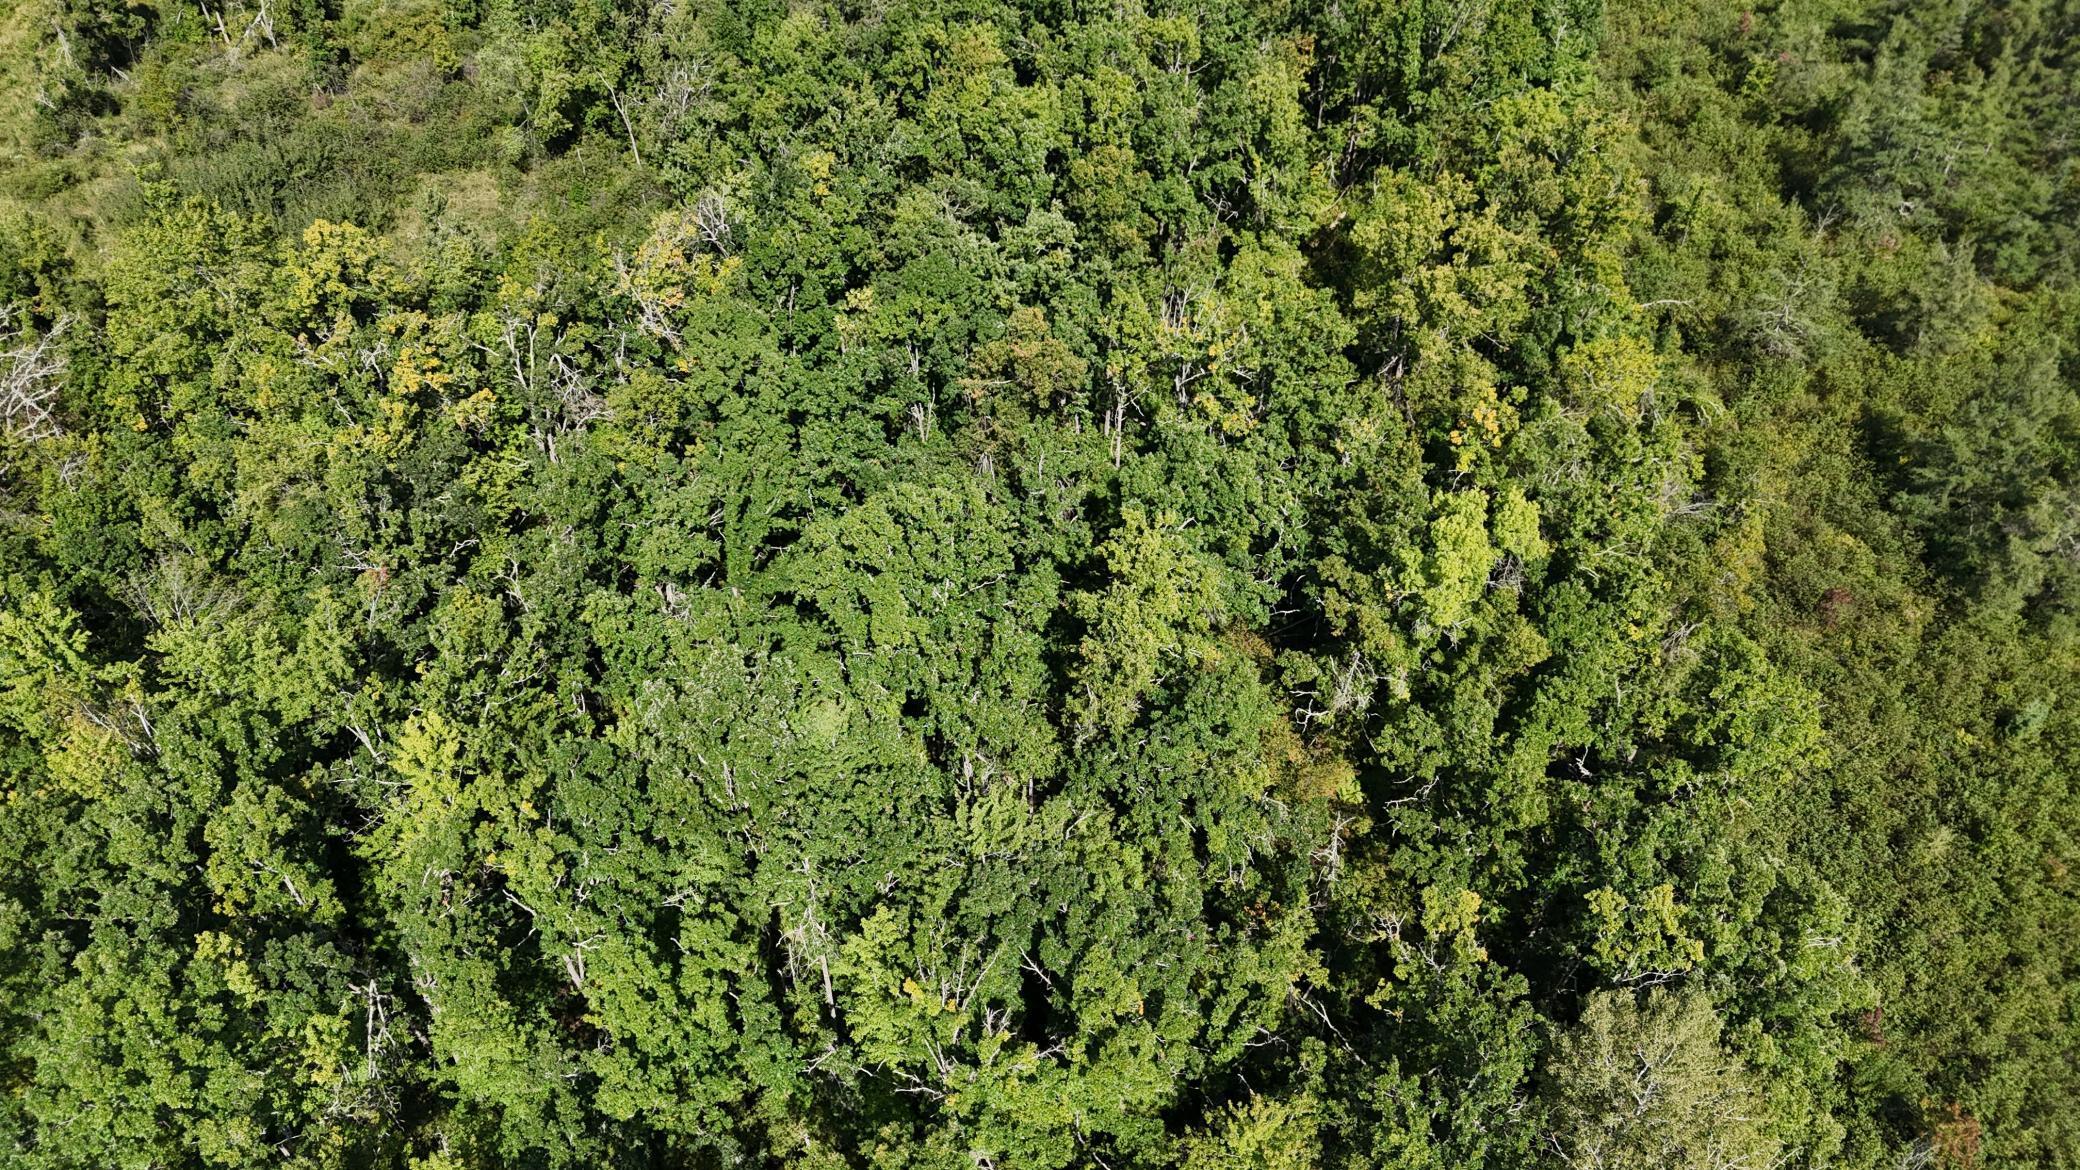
(1026, 584)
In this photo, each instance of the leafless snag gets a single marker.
(711, 221)
(30, 372)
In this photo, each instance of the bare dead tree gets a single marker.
(179, 591)
(30, 371)
(711, 221)
(560, 395)
(634, 151)
(685, 85)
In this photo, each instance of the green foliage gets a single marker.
(1415, 585)
(1638, 1084)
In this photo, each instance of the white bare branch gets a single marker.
(31, 369)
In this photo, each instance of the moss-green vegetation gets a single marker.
(955, 583)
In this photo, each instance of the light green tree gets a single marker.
(1644, 1084)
